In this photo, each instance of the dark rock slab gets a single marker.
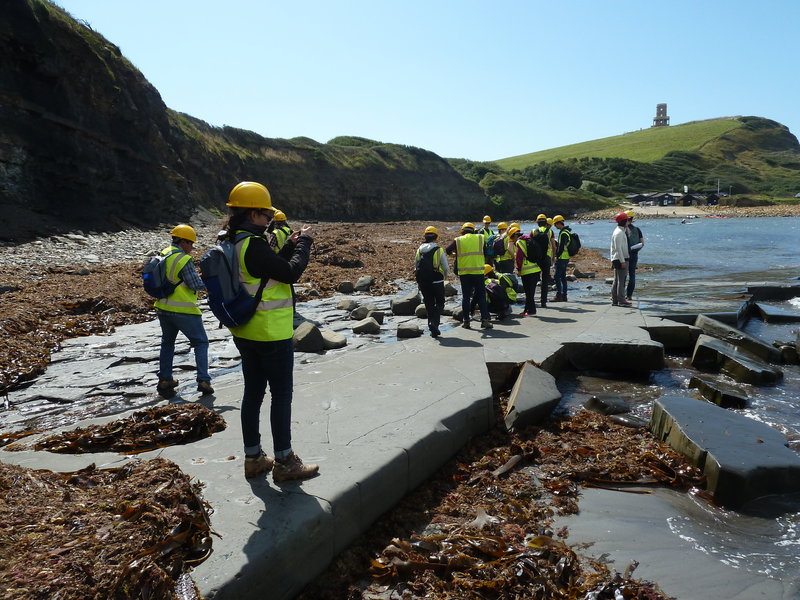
(720, 393)
(712, 354)
(671, 334)
(774, 292)
(777, 314)
(731, 318)
(533, 397)
(606, 405)
(738, 338)
(742, 459)
(623, 355)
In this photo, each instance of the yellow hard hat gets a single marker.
(185, 232)
(541, 217)
(549, 221)
(557, 219)
(512, 230)
(487, 219)
(431, 229)
(502, 225)
(467, 225)
(514, 225)
(249, 194)
(279, 216)
(487, 269)
(629, 213)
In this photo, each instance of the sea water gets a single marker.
(706, 264)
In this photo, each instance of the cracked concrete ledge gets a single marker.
(379, 420)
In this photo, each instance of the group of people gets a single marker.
(626, 242)
(271, 257)
(486, 261)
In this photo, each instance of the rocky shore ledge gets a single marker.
(83, 283)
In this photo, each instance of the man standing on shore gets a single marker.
(179, 312)
(635, 243)
(430, 269)
(562, 258)
(469, 248)
(619, 260)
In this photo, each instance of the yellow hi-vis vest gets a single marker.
(183, 299)
(273, 319)
(565, 251)
(469, 253)
(528, 267)
(282, 233)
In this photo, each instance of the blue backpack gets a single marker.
(154, 276)
(227, 298)
(489, 252)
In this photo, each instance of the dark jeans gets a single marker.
(545, 265)
(433, 297)
(192, 327)
(266, 363)
(632, 262)
(561, 276)
(472, 285)
(529, 283)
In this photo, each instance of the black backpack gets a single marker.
(574, 245)
(424, 270)
(537, 245)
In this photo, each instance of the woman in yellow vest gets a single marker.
(265, 341)
(469, 249)
(179, 312)
(529, 272)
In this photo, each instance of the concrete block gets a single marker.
(711, 354)
(777, 314)
(671, 334)
(742, 459)
(738, 338)
(774, 292)
(533, 397)
(610, 355)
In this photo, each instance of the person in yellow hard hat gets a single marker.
(635, 243)
(500, 291)
(562, 258)
(265, 341)
(486, 228)
(431, 269)
(280, 229)
(469, 249)
(179, 312)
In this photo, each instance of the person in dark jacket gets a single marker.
(265, 341)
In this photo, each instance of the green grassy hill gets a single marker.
(747, 155)
(645, 145)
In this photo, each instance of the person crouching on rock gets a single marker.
(179, 312)
(500, 291)
(265, 341)
(431, 269)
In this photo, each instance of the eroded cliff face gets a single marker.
(87, 143)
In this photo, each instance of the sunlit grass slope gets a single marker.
(646, 145)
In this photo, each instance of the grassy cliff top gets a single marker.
(645, 145)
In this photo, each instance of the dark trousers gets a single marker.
(529, 283)
(266, 363)
(545, 265)
(632, 262)
(433, 298)
(560, 276)
(473, 286)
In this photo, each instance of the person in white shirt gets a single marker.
(619, 260)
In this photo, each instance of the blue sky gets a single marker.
(478, 80)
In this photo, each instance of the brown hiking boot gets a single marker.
(292, 467)
(486, 324)
(256, 465)
(204, 387)
(166, 388)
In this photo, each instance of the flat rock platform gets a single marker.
(379, 420)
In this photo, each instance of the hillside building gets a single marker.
(661, 119)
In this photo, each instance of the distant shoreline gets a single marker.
(672, 212)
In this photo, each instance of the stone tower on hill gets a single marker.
(661, 119)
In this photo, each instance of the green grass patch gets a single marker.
(646, 145)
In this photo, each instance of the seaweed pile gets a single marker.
(128, 532)
(144, 430)
(482, 528)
